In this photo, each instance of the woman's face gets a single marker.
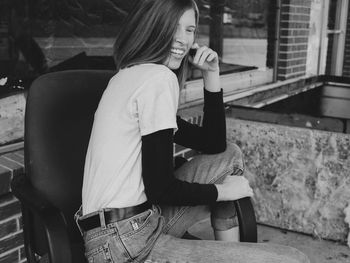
(183, 39)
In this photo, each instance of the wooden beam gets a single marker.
(216, 26)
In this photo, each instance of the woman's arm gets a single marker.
(161, 186)
(211, 137)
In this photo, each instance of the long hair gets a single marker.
(148, 32)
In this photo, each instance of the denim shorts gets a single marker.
(141, 239)
(154, 236)
(123, 241)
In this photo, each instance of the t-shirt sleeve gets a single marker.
(157, 103)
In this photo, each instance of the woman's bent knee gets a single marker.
(212, 168)
(236, 157)
(223, 216)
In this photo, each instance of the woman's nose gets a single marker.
(180, 37)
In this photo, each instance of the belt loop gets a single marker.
(77, 215)
(102, 218)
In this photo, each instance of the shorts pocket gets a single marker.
(99, 254)
(144, 231)
(135, 224)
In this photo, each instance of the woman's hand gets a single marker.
(204, 59)
(233, 188)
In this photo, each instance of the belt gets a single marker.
(112, 215)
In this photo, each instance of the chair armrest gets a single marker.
(246, 219)
(54, 223)
(28, 195)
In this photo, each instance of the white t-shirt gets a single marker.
(137, 101)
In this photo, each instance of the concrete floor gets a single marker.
(318, 251)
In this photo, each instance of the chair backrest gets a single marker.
(59, 115)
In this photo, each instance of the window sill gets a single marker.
(239, 82)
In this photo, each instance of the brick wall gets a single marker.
(11, 233)
(294, 32)
(346, 65)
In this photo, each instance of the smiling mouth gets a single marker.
(178, 52)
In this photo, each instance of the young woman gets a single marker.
(135, 206)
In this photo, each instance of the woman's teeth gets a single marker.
(177, 51)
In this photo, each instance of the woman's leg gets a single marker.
(213, 168)
(171, 249)
(140, 239)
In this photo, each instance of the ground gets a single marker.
(318, 251)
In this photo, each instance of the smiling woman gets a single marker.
(135, 205)
(147, 40)
(183, 39)
(202, 58)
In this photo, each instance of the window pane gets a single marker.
(39, 36)
(241, 37)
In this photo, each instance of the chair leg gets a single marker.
(30, 255)
(247, 220)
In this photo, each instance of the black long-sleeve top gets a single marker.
(161, 186)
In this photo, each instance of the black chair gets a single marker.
(59, 115)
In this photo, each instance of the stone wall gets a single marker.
(301, 177)
(12, 118)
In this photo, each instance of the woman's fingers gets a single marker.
(211, 57)
(233, 188)
(198, 55)
(204, 54)
(205, 58)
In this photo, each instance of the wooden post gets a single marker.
(216, 26)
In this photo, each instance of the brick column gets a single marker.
(294, 32)
(346, 64)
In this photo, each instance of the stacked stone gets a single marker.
(300, 176)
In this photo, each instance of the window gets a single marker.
(39, 36)
(243, 33)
